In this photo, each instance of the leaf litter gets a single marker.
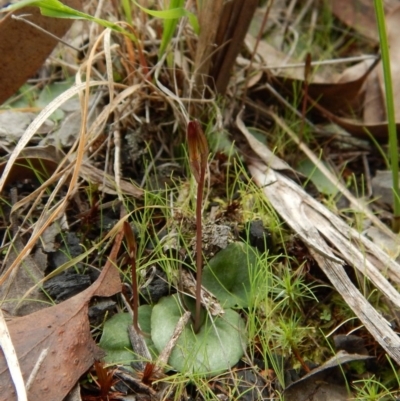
(92, 176)
(63, 333)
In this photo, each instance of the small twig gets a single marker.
(140, 348)
(307, 73)
(36, 368)
(208, 300)
(166, 352)
(21, 18)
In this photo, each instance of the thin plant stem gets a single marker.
(132, 251)
(199, 254)
(390, 111)
(198, 155)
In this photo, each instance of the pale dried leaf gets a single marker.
(374, 110)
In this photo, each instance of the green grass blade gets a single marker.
(56, 9)
(126, 6)
(171, 17)
(393, 151)
(169, 27)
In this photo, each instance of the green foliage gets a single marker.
(115, 339)
(215, 348)
(372, 390)
(54, 8)
(172, 15)
(290, 290)
(311, 171)
(228, 274)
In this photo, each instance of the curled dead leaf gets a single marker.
(63, 332)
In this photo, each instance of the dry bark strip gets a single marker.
(316, 225)
(313, 223)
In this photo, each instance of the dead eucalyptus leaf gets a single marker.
(38, 161)
(337, 97)
(324, 383)
(14, 123)
(20, 281)
(359, 15)
(24, 48)
(356, 127)
(63, 331)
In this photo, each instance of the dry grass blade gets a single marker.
(357, 204)
(38, 121)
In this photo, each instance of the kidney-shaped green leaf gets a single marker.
(115, 339)
(214, 349)
(228, 274)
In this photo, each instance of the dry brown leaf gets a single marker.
(27, 275)
(393, 32)
(34, 162)
(338, 94)
(359, 15)
(337, 97)
(64, 332)
(24, 48)
(273, 59)
(373, 111)
(357, 128)
(321, 384)
(374, 105)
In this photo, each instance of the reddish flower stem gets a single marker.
(132, 250)
(199, 254)
(198, 154)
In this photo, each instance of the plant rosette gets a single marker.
(220, 342)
